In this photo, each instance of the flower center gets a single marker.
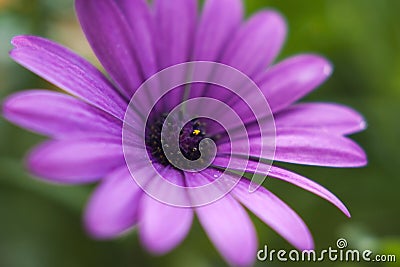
(190, 137)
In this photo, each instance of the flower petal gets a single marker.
(293, 78)
(308, 185)
(316, 148)
(176, 23)
(257, 43)
(241, 164)
(70, 72)
(162, 227)
(113, 206)
(228, 226)
(137, 14)
(110, 36)
(303, 146)
(59, 115)
(75, 161)
(265, 170)
(219, 20)
(176, 26)
(274, 212)
(330, 118)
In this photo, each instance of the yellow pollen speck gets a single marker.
(196, 132)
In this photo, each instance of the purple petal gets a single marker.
(316, 148)
(137, 14)
(308, 185)
(237, 163)
(176, 26)
(219, 20)
(111, 38)
(274, 212)
(162, 227)
(228, 226)
(293, 78)
(302, 146)
(176, 23)
(275, 172)
(59, 115)
(330, 118)
(75, 161)
(70, 72)
(257, 43)
(113, 206)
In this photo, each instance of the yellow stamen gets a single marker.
(196, 132)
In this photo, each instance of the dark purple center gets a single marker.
(189, 138)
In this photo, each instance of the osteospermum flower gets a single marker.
(134, 41)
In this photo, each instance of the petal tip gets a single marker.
(274, 15)
(99, 228)
(94, 232)
(33, 164)
(344, 209)
(327, 69)
(16, 40)
(363, 124)
(22, 40)
(6, 107)
(318, 62)
(307, 244)
(363, 159)
(12, 104)
(154, 248)
(324, 64)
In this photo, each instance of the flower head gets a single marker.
(115, 128)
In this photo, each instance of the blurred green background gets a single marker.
(40, 224)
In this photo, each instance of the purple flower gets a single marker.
(133, 42)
